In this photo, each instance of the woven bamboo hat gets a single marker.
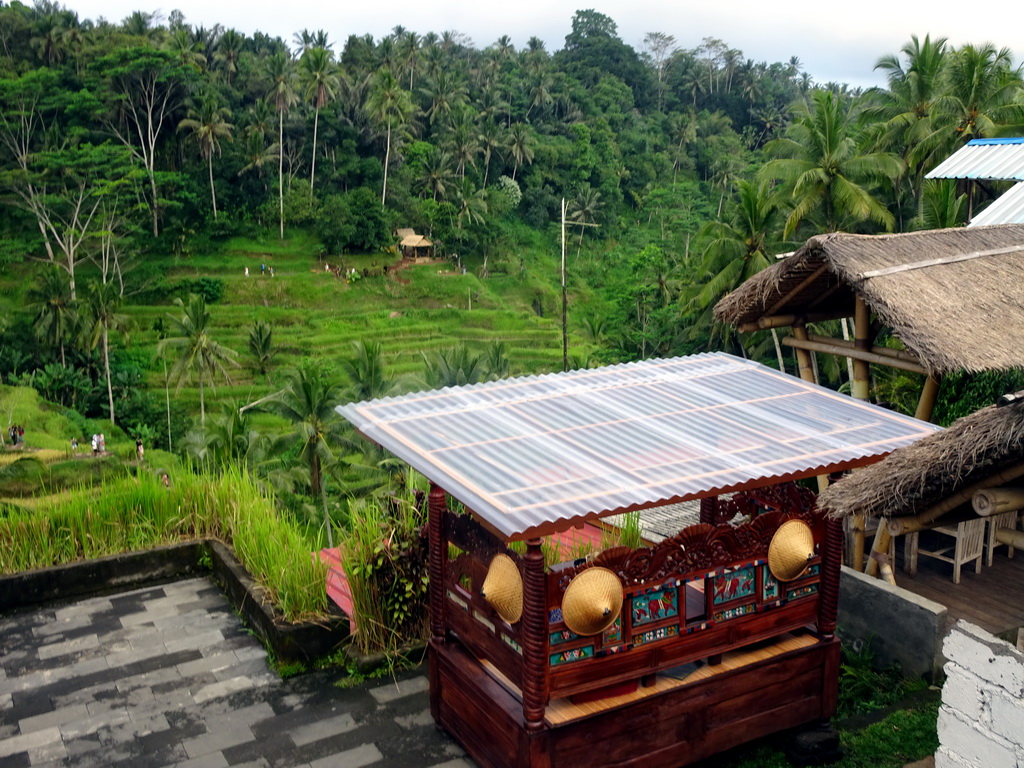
(592, 601)
(503, 588)
(790, 550)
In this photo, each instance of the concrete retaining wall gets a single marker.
(981, 722)
(902, 627)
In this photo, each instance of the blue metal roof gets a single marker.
(992, 159)
(538, 454)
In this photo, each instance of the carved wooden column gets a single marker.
(831, 561)
(534, 638)
(709, 510)
(437, 505)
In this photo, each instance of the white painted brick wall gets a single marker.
(981, 721)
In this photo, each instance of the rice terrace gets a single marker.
(408, 400)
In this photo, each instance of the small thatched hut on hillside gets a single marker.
(958, 474)
(416, 247)
(952, 296)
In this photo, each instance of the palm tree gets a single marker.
(437, 172)
(229, 51)
(827, 177)
(583, 211)
(55, 313)
(195, 349)
(103, 301)
(318, 75)
(454, 367)
(209, 125)
(391, 107)
(366, 372)
(261, 344)
(520, 146)
(409, 53)
(490, 138)
(446, 94)
(282, 73)
(307, 401)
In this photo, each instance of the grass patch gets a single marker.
(132, 513)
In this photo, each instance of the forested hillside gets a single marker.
(149, 160)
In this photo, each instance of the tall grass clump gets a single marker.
(132, 513)
(384, 554)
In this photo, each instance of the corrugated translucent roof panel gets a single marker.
(537, 454)
(1008, 208)
(995, 159)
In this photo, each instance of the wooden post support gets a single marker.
(831, 561)
(803, 357)
(534, 638)
(437, 505)
(857, 540)
(929, 392)
(879, 547)
(862, 342)
(708, 509)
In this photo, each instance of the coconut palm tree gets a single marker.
(228, 53)
(55, 310)
(307, 401)
(318, 75)
(208, 124)
(261, 344)
(195, 349)
(282, 93)
(366, 373)
(437, 173)
(102, 303)
(454, 367)
(520, 145)
(390, 107)
(826, 176)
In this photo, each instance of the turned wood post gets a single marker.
(437, 505)
(534, 637)
(709, 510)
(831, 560)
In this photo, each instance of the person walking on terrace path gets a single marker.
(139, 450)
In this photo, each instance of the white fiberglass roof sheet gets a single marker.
(1008, 208)
(995, 159)
(537, 454)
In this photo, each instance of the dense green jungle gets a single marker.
(199, 238)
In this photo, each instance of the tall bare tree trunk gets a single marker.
(213, 192)
(387, 160)
(106, 365)
(312, 167)
(280, 167)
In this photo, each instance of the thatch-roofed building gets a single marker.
(951, 296)
(955, 475)
(416, 247)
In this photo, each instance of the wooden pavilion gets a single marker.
(965, 482)
(951, 296)
(416, 247)
(655, 656)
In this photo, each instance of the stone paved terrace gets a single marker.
(168, 676)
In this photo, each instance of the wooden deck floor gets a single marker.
(992, 599)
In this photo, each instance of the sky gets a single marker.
(835, 42)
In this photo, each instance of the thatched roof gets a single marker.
(952, 296)
(415, 241)
(403, 232)
(912, 479)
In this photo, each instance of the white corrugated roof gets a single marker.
(993, 159)
(538, 454)
(1008, 208)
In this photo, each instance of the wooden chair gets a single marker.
(968, 545)
(996, 522)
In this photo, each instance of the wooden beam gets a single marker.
(896, 354)
(833, 348)
(926, 519)
(929, 393)
(996, 501)
(766, 322)
(796, 290)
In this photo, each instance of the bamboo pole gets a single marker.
(846, 345)
(996, 501)
(1010, 537)
(868, 356)
(803, 356)
(879, 547)
(862, 342)
(778, 321)
(929, 392)
(857, 523)
(920, 522)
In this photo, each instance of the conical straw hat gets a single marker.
(791, 548)
(503, 588)
(592, 601)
